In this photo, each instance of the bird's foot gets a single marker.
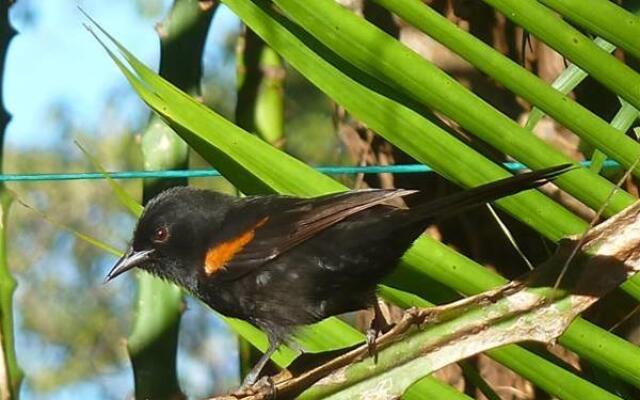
(372, 335)
(420, 317)
(415, 316)
(263, 389)
(378, 326)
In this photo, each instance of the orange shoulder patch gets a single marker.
(219, 255)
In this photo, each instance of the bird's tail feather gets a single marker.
(489, 192)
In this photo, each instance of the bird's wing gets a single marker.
(262, 228)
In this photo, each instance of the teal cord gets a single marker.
(200, 173)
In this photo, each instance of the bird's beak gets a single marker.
(131, 259)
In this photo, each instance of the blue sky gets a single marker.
(54, 60)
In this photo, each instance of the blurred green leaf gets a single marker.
(107, 248)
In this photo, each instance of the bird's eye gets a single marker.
(160, 235)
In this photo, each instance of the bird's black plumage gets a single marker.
(279, 261)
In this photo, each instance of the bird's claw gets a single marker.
(378, 325)
(372, 335)
(263, 389)
(415, 316)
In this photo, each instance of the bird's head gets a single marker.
(172, 234)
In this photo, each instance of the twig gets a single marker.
(509, 236)
(578, 246)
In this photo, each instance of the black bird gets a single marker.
(281, 262)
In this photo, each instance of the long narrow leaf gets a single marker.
(360, 42)
(622, 121)
(568, 80)
(563, 109)
(571, 43)
(604, 18)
